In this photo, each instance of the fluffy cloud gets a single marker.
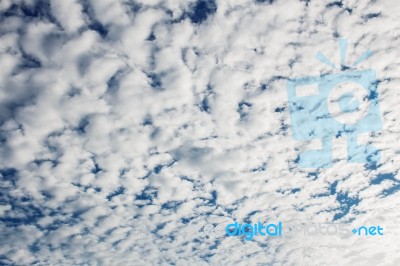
(133, 132)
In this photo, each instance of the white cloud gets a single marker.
(126, 130)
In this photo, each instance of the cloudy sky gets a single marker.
(133, 132)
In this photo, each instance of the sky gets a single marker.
(134, 132)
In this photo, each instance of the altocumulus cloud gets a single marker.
(128, 127)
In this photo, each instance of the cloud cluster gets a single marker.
(128, 128)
